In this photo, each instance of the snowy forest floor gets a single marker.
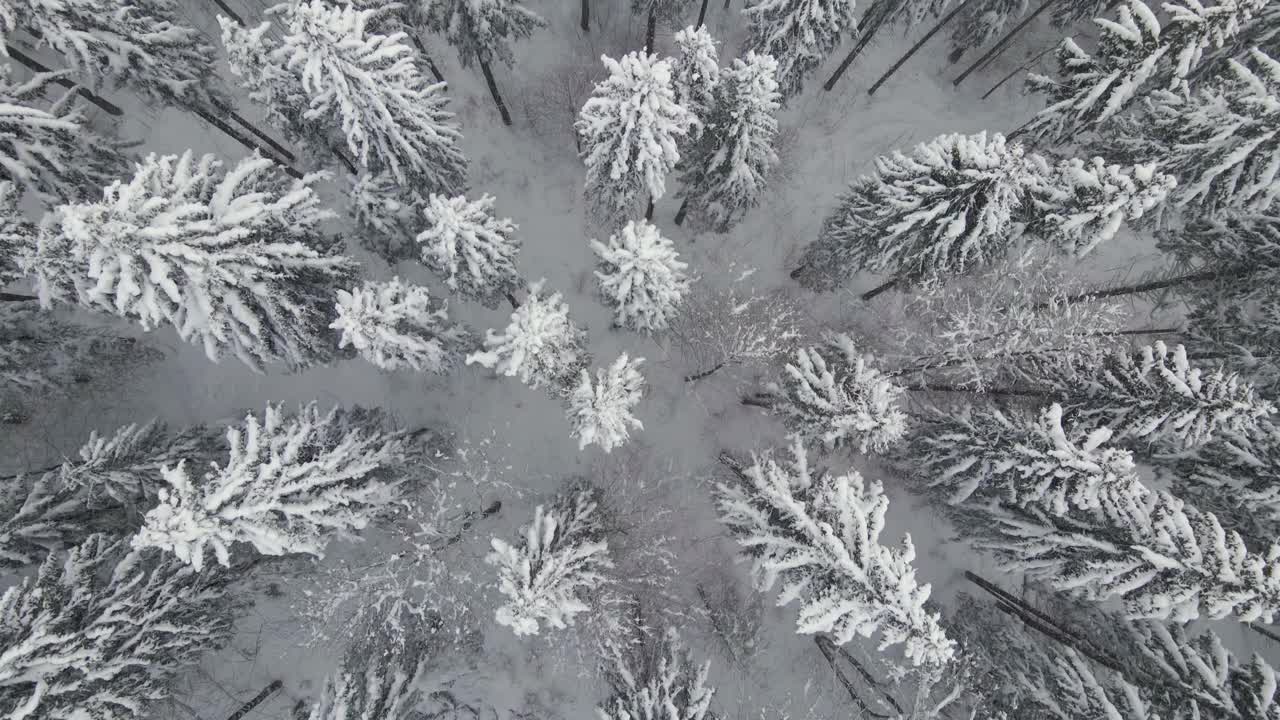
(515, 437)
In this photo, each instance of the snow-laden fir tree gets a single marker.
(108, 43)
(380, 676)
(657, 679)
(52, 151)
(1154, 397)
(799, 34)
(630, 130)
(329, 79)
(1238, 477)
(726, 169)
(394, 326)
(470, 247)
(981, 453)
(600, 411)
(17, 232)
(482, 30)
(388, 215)
(641, 276)
(819, 533)
(1078, 205)
(290, 482)
(1133, 57)
(551, 575)
(981, 21)
(830, 393)
(541, 346)
(233, 259)
(98, 633)
(723, 328)
(112, 478)
(1220, 142)
(695, 74)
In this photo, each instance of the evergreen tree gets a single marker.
(541, 346)
(727, 168)
(726, 328)
(819, 533)
(799, 34)
(641, 276)
(982, 21)
(600, 412)
(695, 74)
(907, 14)
(389, 216)
(981, 454)
(562, 556)
(658, 679)
(52, 152)
(830, 393)
(394, 325)
(17, 233)
(289, 482)
(102, 634)
(630, 130)
(329, 77)
(136, 43)
(102, 491)
(470, 247)
(665, 11)
(380, 677)
(233, 260)
(1238, 477)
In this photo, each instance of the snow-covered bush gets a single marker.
(659, 678)
(549, 577)
(600, 412)
(830, 393)
(235, 261)
(470, 247)
(394, 325)
(541, 346)
(819, 533)
(630, 129)
(642, 276)
(289, 483)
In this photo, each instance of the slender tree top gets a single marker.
(482, 29)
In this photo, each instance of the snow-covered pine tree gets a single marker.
(482, 31)
(630, 130)
(289, 483)
(654, 11)
(98, 633)
(641, 276)
(235, 261)
(600, 412)
(1134, 56)
(907, 14)
(17, 233)
(1222, 141)
(561, 558)
(720, 328)
(695, 73)
(541, 346)
(1154, 397)
(799, 34)
(52, 152)
(331, 78)
(1077, 205)
(1237, 477)
(946, 208)
(830, 393)
(819, 532)
(983, 454)
(473, 250)
(136, 43)
(982, 21)
(394, 325)
(657, 679)
(102, 491)
(380, 677)
(388, 215)
(727, 168)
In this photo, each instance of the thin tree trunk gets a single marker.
(684, 209)
(828, 652)
(247, 142)
(267, 692)
(14, 297)
(512, 299)
(702, 14)
(1003, 43)
(761, 400)
(867, 677)
(1264, 632)
(648, 210)
(431, 64)
(347, 162)
(493, 90)
(726, 4)
(650, 29)
(244, 123)
(34, 65)
(705, 373)
(993, 391)
(586, 16)
(848, 59)
(1019, 69)
(224, 7)
(914, 48)
(882, 287)
(1144, 287)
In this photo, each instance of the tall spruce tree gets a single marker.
(799, 34)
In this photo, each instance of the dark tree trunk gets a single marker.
(726, 4)
(1010, 392)
(848, 59)
(493, 90)
(1147, 287)
(267, 692)
(242, 122)
(247, 142)
(702, 14)
(648, 210)
(915, 48)
(1264, 631)
(705, 373)
(760, 400)
(15, 297)
(586, 15)
(650, 28)
(684, 210)
(512, 299)
(1003, 43)
(882, 287)
(828, 649)
(1019, 69)
(347, 162)
(431, 64)
(224, 7)
(32, 64)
